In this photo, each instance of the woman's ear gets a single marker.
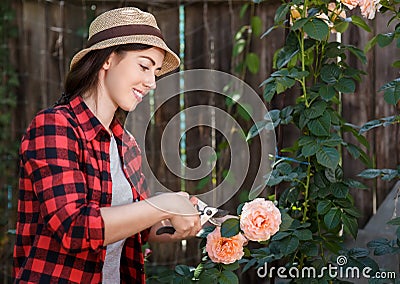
(107, 63)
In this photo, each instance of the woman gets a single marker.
(82, 217)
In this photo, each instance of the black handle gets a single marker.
(166, 230)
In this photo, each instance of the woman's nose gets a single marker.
(151, 83)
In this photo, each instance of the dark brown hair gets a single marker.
(83, 76)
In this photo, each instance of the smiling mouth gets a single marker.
(138, 95)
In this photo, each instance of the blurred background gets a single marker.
(38, 39)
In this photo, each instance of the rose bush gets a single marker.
(316, 208)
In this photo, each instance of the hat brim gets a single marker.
(170, 63)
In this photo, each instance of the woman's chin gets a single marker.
(129, 107)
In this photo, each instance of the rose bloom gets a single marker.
(225, 250)
(369, 7)
(351, 4)
(260, 219)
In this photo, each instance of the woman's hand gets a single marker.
(183, 216)
(186, 225)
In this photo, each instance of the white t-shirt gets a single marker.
(121, 194)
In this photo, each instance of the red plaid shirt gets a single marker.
(64, 180)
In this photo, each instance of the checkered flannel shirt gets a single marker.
(64, 180)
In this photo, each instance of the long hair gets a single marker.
(83, 76)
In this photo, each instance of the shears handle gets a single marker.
(165, 230)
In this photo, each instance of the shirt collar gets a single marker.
(90, 124)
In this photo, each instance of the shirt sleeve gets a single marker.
(50, 157)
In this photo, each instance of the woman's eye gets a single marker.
(144, 68)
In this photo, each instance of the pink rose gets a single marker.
(225, 250)
(260, 219)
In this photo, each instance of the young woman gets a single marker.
(82, 217)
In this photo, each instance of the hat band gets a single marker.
(126, 30)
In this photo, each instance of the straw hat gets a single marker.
(124, 26)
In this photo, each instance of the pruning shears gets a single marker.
(207, 214)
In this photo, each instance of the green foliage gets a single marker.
(314, 191)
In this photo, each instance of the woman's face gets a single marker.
(131, 75)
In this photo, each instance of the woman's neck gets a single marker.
(102, 108)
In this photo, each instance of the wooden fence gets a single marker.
(50, 32)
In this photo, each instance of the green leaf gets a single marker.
(310, 149)
(339, 190)
(370, 125)
(183, 270)
(209, 276)
(385, 39)
(239, 47)
(323, 206)
(243, 10)
(286, 82)
(286, 221)
(199, 269)
(299, 24)
(249, 264)
(353, 212)
(289, 245)
(231, 266)
(309, 248)
(327, 92)
(345, 85)
(332, 218)
(355, 184)
(330, 73)
(303, 235)
(358, 53)
(391, 91)
(396, 64)
(320, 126)
(280, 236)
(230, 228)
(333, 141)
(316, 29)
(358, 252)
(370, 173)
(203, 182)
(280, 14)
(267, 32)
(256, 25)
(252, 62)
(228, 277)
(341, 27)
(328, 157)
(269, 91)
(257, 128)
(358, 21)
(316, 110)
(395, 221)
(370, 44)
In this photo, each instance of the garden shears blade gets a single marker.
(210, 214)
(207, 214)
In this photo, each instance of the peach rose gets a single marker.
(260, 219)
(225, 250)
(369, 7)
(351, 4)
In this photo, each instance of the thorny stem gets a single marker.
(306, 190)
